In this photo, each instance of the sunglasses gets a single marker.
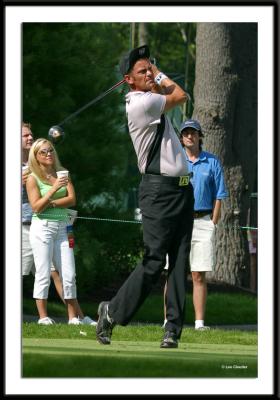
(45, 152)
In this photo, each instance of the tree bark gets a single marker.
(142, 34)
(225, 95)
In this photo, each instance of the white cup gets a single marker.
(25, 169)
(62, 174)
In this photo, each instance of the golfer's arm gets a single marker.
(174, 94)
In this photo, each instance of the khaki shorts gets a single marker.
(27, 260)
(202, 254)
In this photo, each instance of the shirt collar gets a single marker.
(201, 157)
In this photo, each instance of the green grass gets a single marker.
(222, 309)
(138, 332)
(62, 351)
(65, 351)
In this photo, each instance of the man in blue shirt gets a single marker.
(209, 190)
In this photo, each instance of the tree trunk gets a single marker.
(225, 95)
(142, 34)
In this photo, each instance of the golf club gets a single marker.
(56, 133)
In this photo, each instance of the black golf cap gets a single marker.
(130, 58)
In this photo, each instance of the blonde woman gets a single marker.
(49, 197)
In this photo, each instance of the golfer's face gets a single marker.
(142, 76)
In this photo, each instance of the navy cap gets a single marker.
(130, 58)
(191, 123)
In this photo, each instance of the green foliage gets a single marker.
(106, 250)
(100, 263)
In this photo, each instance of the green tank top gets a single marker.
(52, 214)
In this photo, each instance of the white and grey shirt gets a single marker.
(156, 144)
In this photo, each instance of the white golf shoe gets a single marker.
(46, 321)
(75, 321)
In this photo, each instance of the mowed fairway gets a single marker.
(52, 357)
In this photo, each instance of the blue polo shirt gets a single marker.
(207, 180)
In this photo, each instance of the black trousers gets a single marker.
(167, 216)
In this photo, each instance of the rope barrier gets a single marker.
(127, 221)
(111, 220)
(140, 222)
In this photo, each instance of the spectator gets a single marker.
(53, 248)
(209, 190)
(27, 255)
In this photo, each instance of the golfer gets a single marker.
(165, 199)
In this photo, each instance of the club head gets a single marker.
(56, 134)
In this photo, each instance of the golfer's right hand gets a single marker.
(155, 70)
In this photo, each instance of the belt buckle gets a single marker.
(184, 180)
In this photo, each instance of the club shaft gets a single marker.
(95, 100)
